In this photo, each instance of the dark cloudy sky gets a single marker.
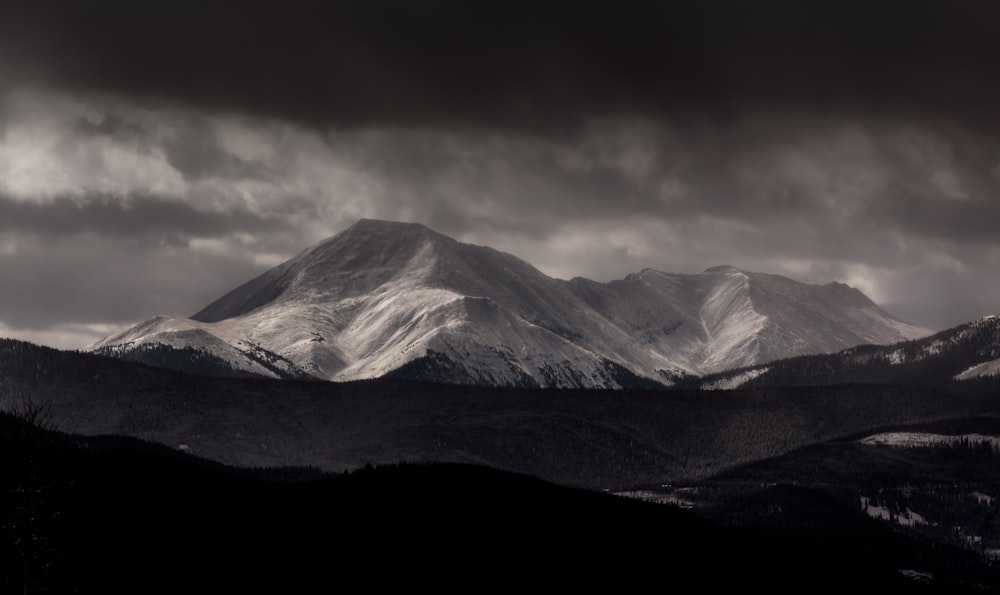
(154, 155)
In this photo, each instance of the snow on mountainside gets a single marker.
(965, 352)
(985, 329)
(384, 298)
(990, 368)
(986, 325)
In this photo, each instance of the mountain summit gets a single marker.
(398, 299)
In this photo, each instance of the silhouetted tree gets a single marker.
(28, 510)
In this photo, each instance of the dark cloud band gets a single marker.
(516, 63)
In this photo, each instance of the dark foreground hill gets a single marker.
(114, 515)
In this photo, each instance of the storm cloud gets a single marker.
(513, 62)
(153, 158)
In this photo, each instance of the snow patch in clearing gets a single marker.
(736, 381)
(991, 368)
(876, 512)
(917, 575)
(926, 439)
(983, 498)
(906, 518)
(896, 357)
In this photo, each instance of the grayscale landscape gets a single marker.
(311, 295)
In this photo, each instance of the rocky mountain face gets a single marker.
(398, 299)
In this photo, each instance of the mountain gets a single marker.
(400, 300)
(968, 353)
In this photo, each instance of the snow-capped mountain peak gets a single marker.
(401, 299)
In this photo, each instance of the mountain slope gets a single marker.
(966, 353)
(384, 298)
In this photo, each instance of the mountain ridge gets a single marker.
(969, 352)
(383, 296)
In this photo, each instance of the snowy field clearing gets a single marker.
(925, 439)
